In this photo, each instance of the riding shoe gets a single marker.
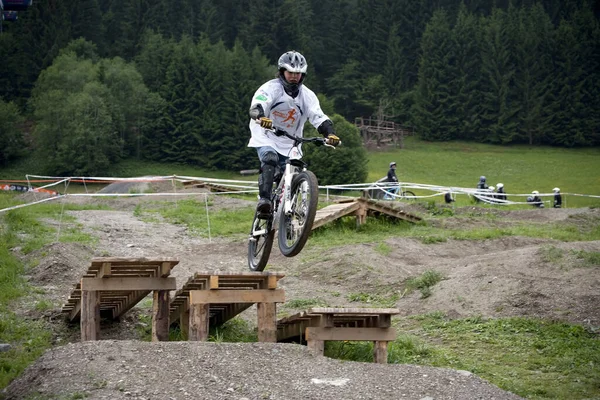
(264, 206)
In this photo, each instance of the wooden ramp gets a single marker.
(111, 286)
(318, 325)
(211, 187)
(360, 208)
(213, 298)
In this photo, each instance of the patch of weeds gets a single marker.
(383, 249)
(424, 283)
(336, 294)
(434, 209)
(235, 330)
(29, 339)
(43, 305)
(551, 254)
(304, 303)
(431, 239)
(192, 214)
(137, 211)
(144, 327)
(374, 299)
(532, 358)
(587, 258)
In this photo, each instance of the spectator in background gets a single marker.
(557, 198)
(481, 186)
(500, 194)
(391, 178)
(448, 197)
(535, 200)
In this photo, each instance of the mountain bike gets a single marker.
(390, 193)
(293, 212)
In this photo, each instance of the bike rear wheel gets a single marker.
(260, 243)
(295, 228)
(408, 195)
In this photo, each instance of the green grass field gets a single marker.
(522, 169)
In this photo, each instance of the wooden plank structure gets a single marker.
(318, 325)
(211, 187)
(211, 299)
(379, 132)
(360, 208)
(111, 286)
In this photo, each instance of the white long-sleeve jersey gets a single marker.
(287, 113)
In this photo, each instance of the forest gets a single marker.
(86, 83)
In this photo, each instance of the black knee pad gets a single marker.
(270, 158)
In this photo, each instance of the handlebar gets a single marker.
(297, 139)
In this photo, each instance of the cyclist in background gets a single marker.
(283, 103)
(391, 177)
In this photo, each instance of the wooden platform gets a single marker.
(318, 325)
(211, 187)
(213, 298)
(111, 286)
(360, 208)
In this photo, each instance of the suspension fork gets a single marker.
(287, 189)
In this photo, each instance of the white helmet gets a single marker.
(500, 185)
(535, 192)
(292, 61)
(556, 190)
(392, 163)
(491, 188)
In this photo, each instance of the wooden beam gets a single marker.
(160, 316)
(361, 334)
(380, 352)
(213, 282)
(237, 296)
(104, 271)
(74, 313)
(128, 284)
(267, 322)
(90, 315)
(199, 319)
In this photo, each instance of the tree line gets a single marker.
(172, 80)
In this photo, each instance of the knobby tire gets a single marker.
(294, 229)
(259, 247)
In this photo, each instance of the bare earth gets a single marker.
(492, 278)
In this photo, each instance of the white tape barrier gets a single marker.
(251, 187)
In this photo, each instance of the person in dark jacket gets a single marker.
(557, 198)
(391, 178)
(481, 186)
(535, 200)
(500, 193)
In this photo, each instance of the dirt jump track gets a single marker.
(509, 276)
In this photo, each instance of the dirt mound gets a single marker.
(186, 370)
(507, 276)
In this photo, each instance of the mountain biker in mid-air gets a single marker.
(283, 103)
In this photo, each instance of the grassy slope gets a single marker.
(522, 169)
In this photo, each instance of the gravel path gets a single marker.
(233, 371)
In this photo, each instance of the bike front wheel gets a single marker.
(408, 195)
(295, 227)
(260, 243)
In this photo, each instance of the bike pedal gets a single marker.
(265, 216)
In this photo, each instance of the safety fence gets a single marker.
(391, 190)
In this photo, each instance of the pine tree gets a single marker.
(434, 108)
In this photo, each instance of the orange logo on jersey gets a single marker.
(286, 117)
